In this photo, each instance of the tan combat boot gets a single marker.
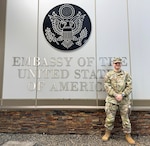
(107, 135)
(129, 139)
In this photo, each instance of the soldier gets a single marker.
(118, 85)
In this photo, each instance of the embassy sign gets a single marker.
(67, 27)
(46, 62)
(42, 47)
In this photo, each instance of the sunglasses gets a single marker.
(118, 63)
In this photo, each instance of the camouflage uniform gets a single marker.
(117, 83)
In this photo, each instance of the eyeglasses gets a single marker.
(118, 63)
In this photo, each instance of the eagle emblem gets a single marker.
(67, 27)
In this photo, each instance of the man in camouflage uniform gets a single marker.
(118, 85)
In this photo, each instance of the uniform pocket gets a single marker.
(110, 107)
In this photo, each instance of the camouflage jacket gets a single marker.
(117, 83)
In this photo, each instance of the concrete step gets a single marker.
(18, 143)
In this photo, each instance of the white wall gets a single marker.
(112, 35)
(20, 41)
(120, 28)
(139, 18)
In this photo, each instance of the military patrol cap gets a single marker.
(117, 60)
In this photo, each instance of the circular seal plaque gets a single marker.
(67, 27)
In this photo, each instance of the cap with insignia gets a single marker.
(117, 60)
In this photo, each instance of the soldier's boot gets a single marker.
(106, 135)
(129, 139)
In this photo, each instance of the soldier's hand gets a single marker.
(119, 97)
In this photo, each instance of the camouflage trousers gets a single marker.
(111, 110)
